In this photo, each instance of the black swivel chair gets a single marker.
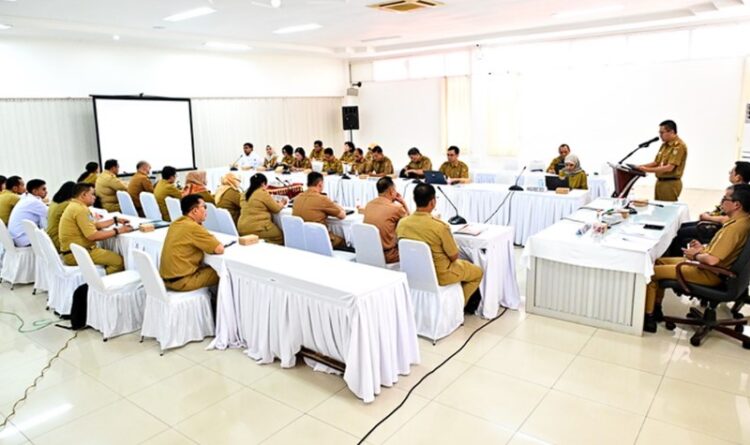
(734, 288)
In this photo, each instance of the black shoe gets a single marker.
(649, 323)
(658, 314)
(473, 303)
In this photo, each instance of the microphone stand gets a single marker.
(515, 187)
(456, 220)
(233, 167)
(643, 145)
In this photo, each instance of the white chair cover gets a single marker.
(226, 223)
(438, 310)
(18, 263)
(115, 302)
(366, 240)
(40, 266)
(294, 235)
(212, 220)
(150, 206)
(318, 241)
(126, 203)
(317, 166)
(172, 318)
(173, 207)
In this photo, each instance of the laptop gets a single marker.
(434, 177)
(554, 182)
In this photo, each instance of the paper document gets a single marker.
(468, 229)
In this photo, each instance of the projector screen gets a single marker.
(133, 129)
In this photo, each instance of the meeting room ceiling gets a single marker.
(348, 28)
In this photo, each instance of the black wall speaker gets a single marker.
(351, 118)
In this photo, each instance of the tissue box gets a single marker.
(249, 240)
(363, 176)
(562, 190)
(146, 228)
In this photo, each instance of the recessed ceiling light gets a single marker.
(115, 37)
(298, 28)
(583, 12)
(192, 13)
(3, 26)
(227, 46)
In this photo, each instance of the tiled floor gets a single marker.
(523, 380)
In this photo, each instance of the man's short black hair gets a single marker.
(742, 169)
(140, 164)
(454, 149)
(168, 172)
(35, 184)
(13, 181)
(384, 184)
(423, 194)
(189, 202)
(669, 125)
(349, 144)
(741, 194)
(413, 151)
(81, 188)
(377, 149)
(287, 150)
(110, 164)
(2, 180)
(318, 143)
(313, 178)
(359, 150)
(247, 144)
(328, 151)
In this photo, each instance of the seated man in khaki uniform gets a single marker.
(331, 165)
(78, 225)
(384, 212)
(380, 164)
(455, 171)
(187, 240)
(287, 153)
(14, 188)
(422, 226)
(165, 188)
(722, 251)
(107, 186)
(558, 163)
(669, 163)
(417, 165)
(140, 183)
(359, 165)
(317, 152)
(314, 206)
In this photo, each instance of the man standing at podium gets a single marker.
(669, 163)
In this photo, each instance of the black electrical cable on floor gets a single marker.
(427, 375)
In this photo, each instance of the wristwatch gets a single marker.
(117, 232)
(115, 219)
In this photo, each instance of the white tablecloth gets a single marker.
(600, 186)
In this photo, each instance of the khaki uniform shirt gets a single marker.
(578, 180)
(311, 206)
(270, 163)
(184, 246)
(316, 155)
(163, 190)
(76, 224)
(8, 200)
(107, 186)
(53, 221)
(91, 179)
(288, 160)
(382, 167)
(460, 170)
(553, 164)
(139, 183)
(674, 153)
(437, 234)
(230, 200)
(359, 168)
(385, 215)
(334, 165)
(257, 213)
(423, 163)
(347, 157)
(728, 242)
(302, 163)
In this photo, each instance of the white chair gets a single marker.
(172, 318)
(173, 208)
(40, 265)
(438, 310)
(368, 246)
(18, 263)
(150, 206)
(115, 302)
(226, 223)
(317, 166)
(212, 220)
(318, 241)
(294, 235)
(537, 165)
(126, 203)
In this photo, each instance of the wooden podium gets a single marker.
(625, 178)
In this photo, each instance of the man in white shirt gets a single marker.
(31, 207)
(248, 160)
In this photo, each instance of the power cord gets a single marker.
(509, 195)
(427, 375)
(37, 324)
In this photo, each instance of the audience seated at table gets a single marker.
(380, 164)
(270, 160)
(317, 151)
(195, 184)
(314, 206)
(287, 153)
(107, 185)
(90, 174)
(418, 164)
(347, 157)
(30, 207)
(57, 207)
(301, 161)
(14, 188)
(455, 171)
(166, 188)
(228, 195)
(558, 163)
(258, 208)
(331, 165)
(359, 165)
(384, 212)
(140, 182)
(577, 178)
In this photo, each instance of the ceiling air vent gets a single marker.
(405, 5)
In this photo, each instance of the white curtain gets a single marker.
(456, 124)
(503, 114)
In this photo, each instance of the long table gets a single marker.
(600, 186)
(598, 280)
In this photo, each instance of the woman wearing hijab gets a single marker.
(195, 184)
(228, 195)
(269, 161)
(576, 176)
(258, 209)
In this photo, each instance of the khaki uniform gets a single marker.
(139, 183)
(578, 180)
(76, 224)
(163, 190)
(311, 206)
(316, 155)
(347, 157)
(288, 160)
(207, 196)
(53, 221)
(107, 186)
(360, 168)
(270, 163)
(385, 215)
(230, 200)
(256, 217)
(554, 163)
(421, 226)
(382, 167)
(423, 164)
(333, 165)
(460, 170)
(8, 200)
(91, 179)
(303, 164)
(182, 256)
(669, 185)
(725, 245)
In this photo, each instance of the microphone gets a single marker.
(233, 168)
(456, 219)
(649, 142)
(515, 187)
(282, 181)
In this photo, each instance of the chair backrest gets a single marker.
(317, 239)
(317, 166)
(294, 235)
(367, 244)
(30, 228)
(87, 267)
(212, 220)
(737, 287)
(537, 165)
(126, 203)
(150, 206)
(226, 223)
(416, 262)
(173, 208)
(5, 239)
(152, 281)
(49, 253)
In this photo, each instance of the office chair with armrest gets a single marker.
(734, 289)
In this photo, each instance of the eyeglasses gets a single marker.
(724, 198)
